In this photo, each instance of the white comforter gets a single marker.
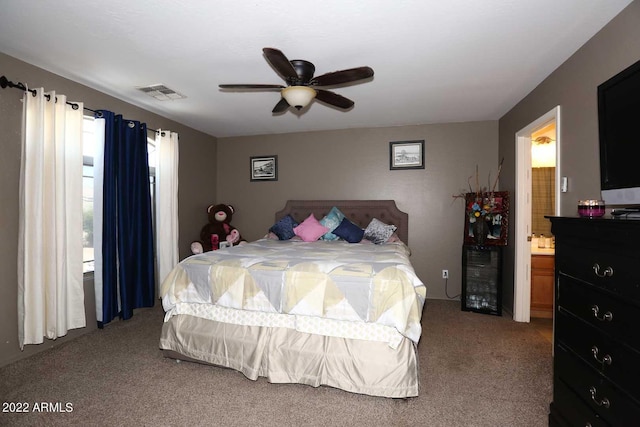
(359, 283)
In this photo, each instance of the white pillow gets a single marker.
(379, 232)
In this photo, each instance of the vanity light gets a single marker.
(543, 152)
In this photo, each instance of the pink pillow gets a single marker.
(310, 229)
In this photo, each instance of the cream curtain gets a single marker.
(166, 203)
(50, 280)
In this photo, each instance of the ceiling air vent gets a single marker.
(161, 92)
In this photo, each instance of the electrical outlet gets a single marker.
(445, 274)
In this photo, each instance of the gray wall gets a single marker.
(573, 86)
(196, 177)
(354, 164)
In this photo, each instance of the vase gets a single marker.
(480, 230)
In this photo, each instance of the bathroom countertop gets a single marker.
(542, 251)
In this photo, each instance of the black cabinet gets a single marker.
(482, 279)
(597, 313)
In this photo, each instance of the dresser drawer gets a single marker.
(613, 271)
(606, 313)
(616, 361)
(599, 394)
(574, 411)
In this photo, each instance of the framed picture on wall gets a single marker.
(406, 155)
(263, 168)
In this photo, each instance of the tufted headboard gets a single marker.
(360, 212)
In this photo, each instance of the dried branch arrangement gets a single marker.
(477, 189)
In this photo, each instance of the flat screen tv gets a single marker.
(619, 132)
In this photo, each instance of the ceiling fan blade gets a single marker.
(280, 62)
(344, 76)
(280, 106)
(333, 99)
(247, 86)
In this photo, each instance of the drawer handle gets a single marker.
(606, 359)
(608, 272)
(602, 402)
(608, 316)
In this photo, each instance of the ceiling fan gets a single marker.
(302, 87)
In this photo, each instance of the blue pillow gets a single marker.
(332, 220)
(284, 228)
(349, 231)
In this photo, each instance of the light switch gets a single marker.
(564, 184)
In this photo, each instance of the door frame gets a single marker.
(522, 275)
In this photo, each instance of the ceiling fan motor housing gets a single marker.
(304, 70)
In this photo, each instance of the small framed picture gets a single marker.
(406, 155)
(263, 168)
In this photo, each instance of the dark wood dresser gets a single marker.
(596, 365)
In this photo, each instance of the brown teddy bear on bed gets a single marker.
(217, 230)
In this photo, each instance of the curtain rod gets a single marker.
(5, 83)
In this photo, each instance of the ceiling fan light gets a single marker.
(298, 96)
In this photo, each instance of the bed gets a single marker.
(332, 313)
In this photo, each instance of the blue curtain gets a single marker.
(127, 232)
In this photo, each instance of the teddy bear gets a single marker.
(217, 230)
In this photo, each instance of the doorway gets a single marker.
(543, 204)
(523, 217)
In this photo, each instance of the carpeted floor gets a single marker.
(476, 370)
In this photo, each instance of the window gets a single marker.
(88, 152)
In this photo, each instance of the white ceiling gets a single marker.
(434, 61)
